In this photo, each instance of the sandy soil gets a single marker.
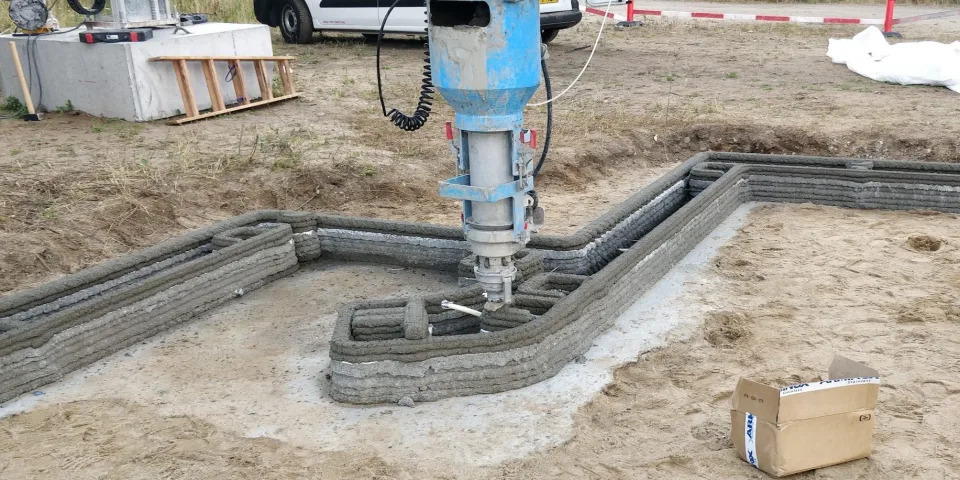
(219, 398)
(795, 285)
(258, 367)
(75, 190)
(799, 283)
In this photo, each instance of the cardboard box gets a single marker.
(788, 430)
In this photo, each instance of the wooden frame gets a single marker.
(218, 106)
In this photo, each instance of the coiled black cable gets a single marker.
(95, 8)
(425, 102)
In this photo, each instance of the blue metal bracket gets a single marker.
(459, 188)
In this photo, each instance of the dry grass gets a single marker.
(133, 178)
(124, 186)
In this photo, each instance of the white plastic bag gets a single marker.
(906, 63)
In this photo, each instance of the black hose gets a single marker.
(546, 138)
(33, 65)
(424, 104)
(95, 8)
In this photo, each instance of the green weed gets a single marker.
(66, 107)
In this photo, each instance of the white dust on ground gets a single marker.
(256, 368)
(235, 394)
(798, 284)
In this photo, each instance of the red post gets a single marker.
(631, 21)
(888, 19)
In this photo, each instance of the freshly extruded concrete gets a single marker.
(75, 325)
(384, 350)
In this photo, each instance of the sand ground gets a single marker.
(75, 190)
(797, 284)
(239, 393)
(258, 367)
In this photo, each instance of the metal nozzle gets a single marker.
(496, 275)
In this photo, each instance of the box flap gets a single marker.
(842, 367)
(761, 400)
(829, 397)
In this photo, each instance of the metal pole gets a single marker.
(888, 21)
(888, 18)
(490, 166)
(630, 22)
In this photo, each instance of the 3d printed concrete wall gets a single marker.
(383, 350)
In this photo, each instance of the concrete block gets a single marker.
(117, 79)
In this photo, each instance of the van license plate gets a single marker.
(549, 1)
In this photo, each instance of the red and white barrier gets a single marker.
(755, 18)
(888, 21)
(926, 16)
(611, 15)
(632, 12)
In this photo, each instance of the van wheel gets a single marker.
(547, 36)
(296, 25)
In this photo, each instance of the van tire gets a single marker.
(296, 24)
(547, 36)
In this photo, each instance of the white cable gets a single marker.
(453, 306)
(606, 13)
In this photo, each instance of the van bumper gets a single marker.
(558, 20)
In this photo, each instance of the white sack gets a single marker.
(906, 63)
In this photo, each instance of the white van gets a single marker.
(298, 19)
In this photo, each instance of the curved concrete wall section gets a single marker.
(383, 350)
(534, 348)
(532, 341)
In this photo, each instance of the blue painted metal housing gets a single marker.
(488, 74)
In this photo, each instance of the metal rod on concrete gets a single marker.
(31, 113)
